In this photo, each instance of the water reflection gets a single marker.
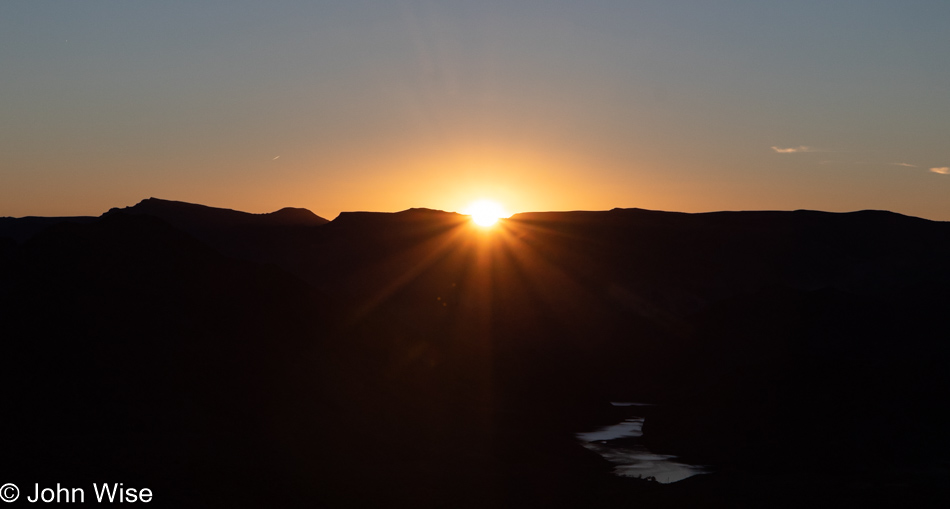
(632, 427)
(618, 445)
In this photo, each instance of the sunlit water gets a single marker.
(632, 459)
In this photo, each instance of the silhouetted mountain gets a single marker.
(266, 238)
(19, 229)
(413, 359)
(134, 353)
(187, 215)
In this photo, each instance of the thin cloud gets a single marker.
(902, 165)
(274, 159)
(942, 171)
(792, 150)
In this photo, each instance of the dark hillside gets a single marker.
(413, 359)
(134, 353)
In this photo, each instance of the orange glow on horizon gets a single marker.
(485, 213)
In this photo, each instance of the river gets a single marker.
(618, 444)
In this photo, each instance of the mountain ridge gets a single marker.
(407, 358)
(175, 211)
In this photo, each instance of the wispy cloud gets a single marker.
(872, 163)
(792, 150)
(274, 159)
(940, 170)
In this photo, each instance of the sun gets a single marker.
(485, 212)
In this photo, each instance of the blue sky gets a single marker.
(553, 105)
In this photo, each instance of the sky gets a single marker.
(537, 104)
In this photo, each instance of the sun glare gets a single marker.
(485, 212)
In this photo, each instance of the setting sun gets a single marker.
(485, 212)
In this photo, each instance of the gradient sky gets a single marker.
(540, 105)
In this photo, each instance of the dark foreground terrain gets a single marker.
(225, 359)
